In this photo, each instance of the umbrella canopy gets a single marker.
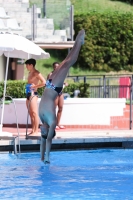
(19, 47)
(15, 46)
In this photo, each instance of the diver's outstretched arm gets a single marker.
(42, 148)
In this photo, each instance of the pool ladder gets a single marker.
(13, 139)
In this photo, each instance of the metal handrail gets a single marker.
(16, 120)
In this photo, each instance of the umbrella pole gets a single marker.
(4, 93)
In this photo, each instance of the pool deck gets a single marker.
(70, 139)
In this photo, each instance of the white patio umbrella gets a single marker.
(15, 46)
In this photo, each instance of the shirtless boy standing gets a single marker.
(35, 81)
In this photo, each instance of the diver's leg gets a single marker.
(42, 148)
(73, 54)
(59, 75)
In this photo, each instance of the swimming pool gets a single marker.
(103, 174)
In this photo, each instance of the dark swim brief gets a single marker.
(28, 95)
(50, 85)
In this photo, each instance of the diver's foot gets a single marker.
(81, 35)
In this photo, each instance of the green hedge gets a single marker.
(16, 89)
(108, 41)
(84, 89)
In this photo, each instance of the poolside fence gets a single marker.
(111, 86)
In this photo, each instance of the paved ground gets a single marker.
(69, 138)
(79, 133)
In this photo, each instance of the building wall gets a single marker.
(94, 114)
(19, 72)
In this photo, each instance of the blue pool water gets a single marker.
(105, 174)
